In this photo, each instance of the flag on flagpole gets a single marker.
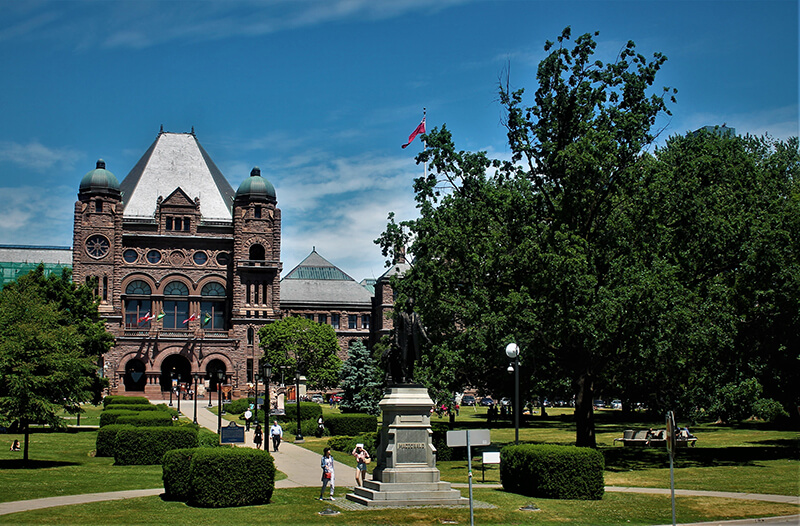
(419, 129)
(191, 318)
(206, 319)
(146, 317)
(160, 315)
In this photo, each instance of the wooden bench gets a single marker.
(656, 438)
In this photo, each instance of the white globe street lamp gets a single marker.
(512, 351)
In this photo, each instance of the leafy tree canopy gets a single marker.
(51, 337)
(360, 381)
(303, 345)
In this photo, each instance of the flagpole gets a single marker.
(425, 164)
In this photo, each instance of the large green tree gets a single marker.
(51, 338)
(527, 253)
(305, 346)
(360, 381)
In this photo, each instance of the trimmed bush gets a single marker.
(351, 424)
(553, 472)
(207, 438)
(308, 411)
(147, 445)
(176, 473)
(146, 419)
(225, 477)
(110, 417)
(107, 439)
(131, 407)
(237, 407)
(117, 399)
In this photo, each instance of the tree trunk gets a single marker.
(584, 412)
(26, 431)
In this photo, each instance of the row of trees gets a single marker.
(665, 277)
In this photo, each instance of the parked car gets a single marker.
(317, 398)
(486, 400)
(599, 404)
(505, 401)
(616, 404)
(467, 400)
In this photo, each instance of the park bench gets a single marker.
(657, 438)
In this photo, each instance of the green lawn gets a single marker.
(299, 506)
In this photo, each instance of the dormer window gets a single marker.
(177, 224)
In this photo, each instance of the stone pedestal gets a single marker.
(406, 473)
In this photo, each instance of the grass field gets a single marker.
(747, 458)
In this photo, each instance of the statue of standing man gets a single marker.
(409, 335)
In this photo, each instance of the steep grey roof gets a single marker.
(399, 269)
(318, 281)
(176, 160)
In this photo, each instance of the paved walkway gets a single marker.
(303, 470)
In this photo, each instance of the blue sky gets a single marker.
(321, 95)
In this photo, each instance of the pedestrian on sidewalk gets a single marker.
(247, 416)
(276, 432)
(327, 472)
(362, 459)
(257, 436)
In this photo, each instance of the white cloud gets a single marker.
(38, 157)
(33, 217)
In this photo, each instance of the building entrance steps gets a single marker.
(301, 466)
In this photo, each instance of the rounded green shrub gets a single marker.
(147, 445)
(308, 411)
(146, 419)
(176, 473)
(107, 439)
(552, 472)
(226, 477)
(351, 424)
(118, 399)
(110, 417)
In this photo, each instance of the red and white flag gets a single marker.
(146, 317)
(419, 129)
(191, 318)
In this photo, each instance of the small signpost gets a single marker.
(469, 437)
(232, 434)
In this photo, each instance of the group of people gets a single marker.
(275, 433)
(328, 476)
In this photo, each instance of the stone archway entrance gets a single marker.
(175, 367)
(211, 373)
(135, 378)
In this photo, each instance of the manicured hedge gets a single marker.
(207, 438)
(146, 419)
(107, 439)
(176, 473)
(552, 472)
(308, 411)
(225, 477)
(117, 399)
(351, 424)
(147, 445)
(131, 407)
(237, 407)
(110, 417)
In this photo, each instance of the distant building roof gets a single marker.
(17, 260)
(317, 281)
(176, 160)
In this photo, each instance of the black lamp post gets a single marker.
(220, 379)
(208, 389)
(171, 375)
(266, 374)
(512, 351)
(178, 377)
(255, 377)
(298, 439)
(196, 378)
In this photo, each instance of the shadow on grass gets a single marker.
(18, 463)
(633, 459)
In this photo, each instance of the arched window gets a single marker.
(138, 305)
(176, 305)
(257, 253)
(251, 336)
(212, 306)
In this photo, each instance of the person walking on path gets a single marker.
(327, 472)
(362, 459)
(247, 416)
(257, 436)
(276, 432)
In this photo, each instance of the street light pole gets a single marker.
(196, 376)
(266, 374)
(512, 351)
(255, 378)
(298, 439)
(171, 375)
(178, 377)
(220, 379)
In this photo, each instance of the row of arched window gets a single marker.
(173, 312)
